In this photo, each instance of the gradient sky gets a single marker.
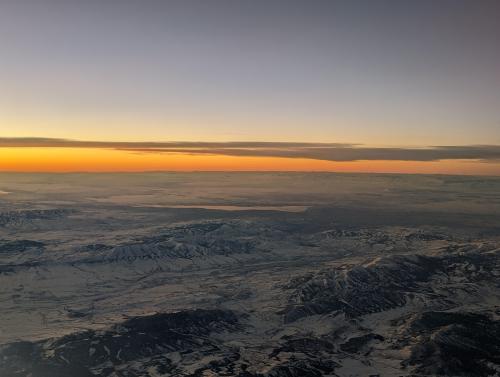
(374, 72)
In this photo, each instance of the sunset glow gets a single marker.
(109, 160)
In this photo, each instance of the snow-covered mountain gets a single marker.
(360, 289)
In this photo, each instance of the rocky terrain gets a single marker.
(402, 282)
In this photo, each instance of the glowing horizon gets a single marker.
(69, 159)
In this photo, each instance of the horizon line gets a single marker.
(324, 151)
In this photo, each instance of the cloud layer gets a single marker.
(317, 151)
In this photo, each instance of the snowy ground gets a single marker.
(251, 274)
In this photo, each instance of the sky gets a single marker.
(364, 74)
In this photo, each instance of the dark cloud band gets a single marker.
(317, 151)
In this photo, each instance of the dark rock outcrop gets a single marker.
(455, 344)
(93, 353)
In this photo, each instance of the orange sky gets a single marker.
(108, 160)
